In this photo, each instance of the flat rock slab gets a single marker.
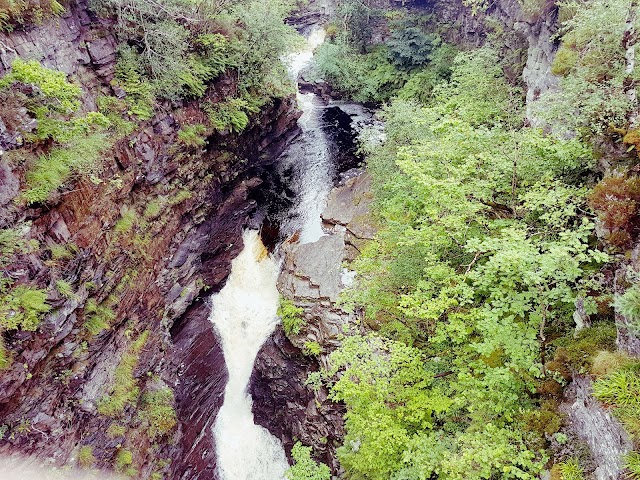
(349, 205)
(313, 270)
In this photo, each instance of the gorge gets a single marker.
(359, 239)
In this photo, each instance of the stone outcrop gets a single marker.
(160, 272)
(313, 277)
(596, 426)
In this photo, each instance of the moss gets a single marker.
(116, 430)
(85, 456)
(577, 353)
(158, 414)
(605, 362)
(566, 59)
(126, 222)
(124, 459)
(154, 208)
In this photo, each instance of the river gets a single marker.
(244, 312)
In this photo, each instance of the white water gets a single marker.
(309, 156)
(245, 311)
(244, 314)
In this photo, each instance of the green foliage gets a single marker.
(192, 135)
(65, 289)
(312, 348)
(620, 388)
(571, 470)
(483, 250)
(127, 221)
(124, 391)
(85, 456)
(97, 317)
(628, 305)
(124, 458)
(632, 464)
(18, 14)
(305, 468)
(64, 96)
(176, 56)
(292, 319)
(158, 414)
(364, 77)
(596, 77)
(411, 47)
(229, 115)
(22, 307)
(478, 92)
(140, 99)
(50, 171)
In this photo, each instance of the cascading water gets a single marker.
(244, 314)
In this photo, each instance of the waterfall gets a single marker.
(244, 314)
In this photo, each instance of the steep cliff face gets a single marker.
(185, 209)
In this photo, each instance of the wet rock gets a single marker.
(313, 277)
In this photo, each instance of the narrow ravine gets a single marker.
(244, 313)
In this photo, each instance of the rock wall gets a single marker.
(313, 277)
(161, 271)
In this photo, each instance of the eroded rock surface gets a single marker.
(313, 276)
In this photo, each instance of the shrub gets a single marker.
(85, 456)
(305, 468)
(615, 201)
(292, 320)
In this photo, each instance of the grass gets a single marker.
(54, 169)
(125, 389)
(116, 430)
(124, 459)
